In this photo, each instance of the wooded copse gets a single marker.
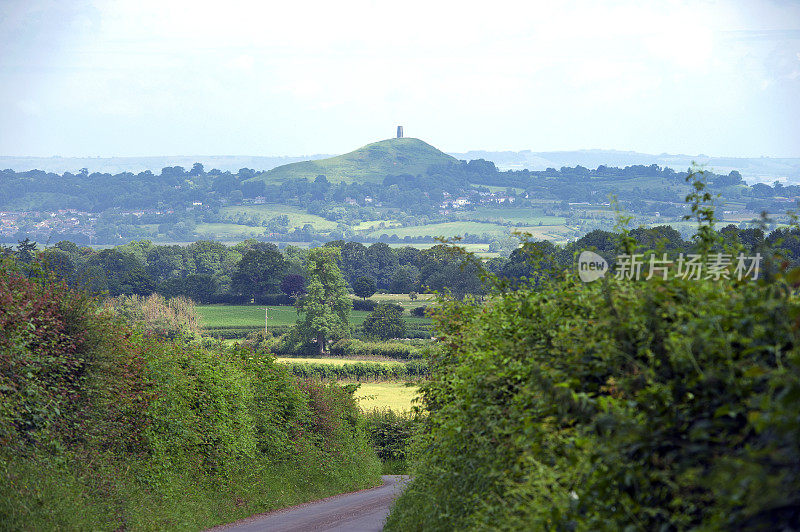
(252, 271)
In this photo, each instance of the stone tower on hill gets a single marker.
(399, 132)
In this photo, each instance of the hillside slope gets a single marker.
(370, 163)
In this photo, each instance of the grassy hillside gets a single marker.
(370, 163)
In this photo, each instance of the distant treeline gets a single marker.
(126, 206)
(211, 272)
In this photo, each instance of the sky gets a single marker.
(144, 77)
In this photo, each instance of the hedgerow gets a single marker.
(360, 371)
(651, 405)
(106, 426)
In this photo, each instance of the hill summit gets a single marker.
(368, 164)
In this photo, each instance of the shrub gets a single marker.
(359, 371)
(396, 350)
(385, 322)
(361, 304)
(114, 419)
(419, 311)
(390, 433)
(653, 405)
(166, 318)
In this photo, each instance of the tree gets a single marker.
(260, 271)
(364, 287)
(293, 285)
(385, 322)
(26, 250)
(325, 308)
(405, 280)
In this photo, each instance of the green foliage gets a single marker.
(390, 433)
(137, 431)
(407, 350)
(385, 322)
(360, 371)
(364, 287)
(260, 271)
(166, 318)
(325, 308)
(701, 202)
(657, 405)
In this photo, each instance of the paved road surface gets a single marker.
(360, 511)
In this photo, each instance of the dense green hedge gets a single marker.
(409, 349)
(390, 433)
(360, 371)
(397, 350)
(104, 426)
(617, 405)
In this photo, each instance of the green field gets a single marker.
(253, 316)
(244, 315)
(445, 229)
(334, 361)
(297, 216)
(403, 300)
(514, 215)
(394, 395)
(222, 231)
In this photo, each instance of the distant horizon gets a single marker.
(448, 151)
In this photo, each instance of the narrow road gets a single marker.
(360, 511)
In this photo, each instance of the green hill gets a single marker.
(370, 163)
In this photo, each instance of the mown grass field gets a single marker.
(394, 395)
(444, 229)
(526, 215)
(253, 315)
(223, 231)
(244, 315)
(403, 300)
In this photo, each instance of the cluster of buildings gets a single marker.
(451, 203)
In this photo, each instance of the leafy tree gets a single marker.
(405, 280)
(364, 287)
(383, 262)
(26, 250)
(325, 308)
(260, 271)
(293, 285)
(385, 322)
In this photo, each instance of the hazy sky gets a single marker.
(145, 77)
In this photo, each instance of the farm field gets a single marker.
(529, 216)
(394, 395)
(253, 316)
(403, 300)
(445, 229)
(244, 315)
(297, 217)
(223, 231)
